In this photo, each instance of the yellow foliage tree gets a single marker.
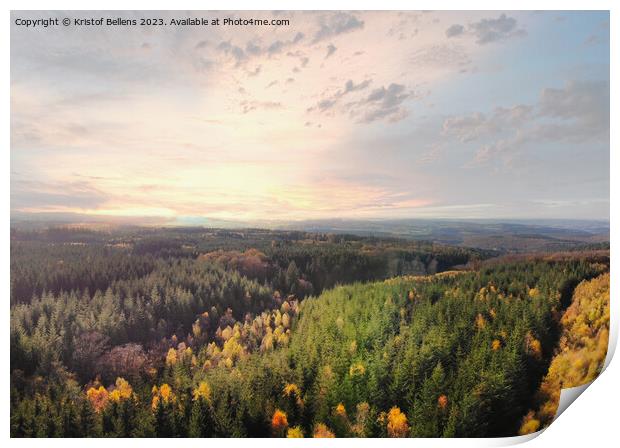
(267, 342)
(122, 391)
(162, 395)
(533, 346)
(530, 424)
(357, 369)
(187, 354)
(295, 433)
(341, 410)
(203, 391)
(233, 350)
(397, 425)
(227, 333)
(171, 357)
(196, 329)
(291, 390)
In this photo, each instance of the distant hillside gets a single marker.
(509, 236)
(495, 235)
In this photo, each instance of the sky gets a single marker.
(364, 115)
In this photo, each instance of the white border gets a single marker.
(589, 422)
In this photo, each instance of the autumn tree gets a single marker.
(162, 404)
(295, 433)
(279, 423)
(397, 425)
(321, 431)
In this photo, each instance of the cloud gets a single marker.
(333, 24)
(489, 151)
(575, 113)
(493, 30)
(585, 101)
(384, 103)
(488, 30)
(254, 49)
(392, 96)
(249, 106)
(381, 103)
(331, 49)
(440, 55)
(579, 112)
(472, 126)
(256, 71)
(466, 127)
(302, 58)
(33, 195)
(275, 47)
(349, 87)
(279, 45)
(324, 105)
(455, 30)
(232, 50)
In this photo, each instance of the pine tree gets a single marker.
(201, 419)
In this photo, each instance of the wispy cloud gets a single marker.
(577, 112)
(333, 24)
(488, 30)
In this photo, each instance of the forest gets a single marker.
(195, 332)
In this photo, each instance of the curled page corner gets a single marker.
(568, 396)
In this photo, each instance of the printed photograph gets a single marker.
(306, 224)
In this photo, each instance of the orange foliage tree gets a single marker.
(279, 423)
(98, 398)
(442, 402)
